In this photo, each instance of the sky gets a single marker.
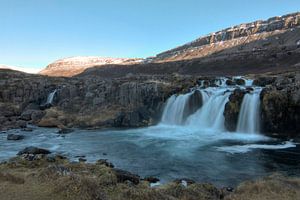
(34, 33)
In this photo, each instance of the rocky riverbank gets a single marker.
(40, 176)
(136, 101)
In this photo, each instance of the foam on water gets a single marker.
(249, 147)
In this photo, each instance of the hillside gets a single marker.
(239, 35)
(75, 65)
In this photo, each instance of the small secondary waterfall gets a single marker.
(51, 97)
(210, 112)
(249, 119)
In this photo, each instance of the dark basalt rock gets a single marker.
(193, 104)
(232, 109)
(151, 179)
(240, 81)
(15, 137)
(105, 162)
(123, 176)
(34, 151)
(230, 82)
(82, 159)
(281, 110)
(65, 130)
(263, 81)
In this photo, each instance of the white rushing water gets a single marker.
(210, 115)
(249, 119)
(51, 97)
(174, 110)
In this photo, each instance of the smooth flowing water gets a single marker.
(51, 97)
(249, 121)
(170, 152)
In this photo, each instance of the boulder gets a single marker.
(230, 82)
(104, 162)
(64, 130)
(240, 81)
(193, 104)
(15, 137)
(34, 151)
(151, 179)
(123, 176)
(232, 109)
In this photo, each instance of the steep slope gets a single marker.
(74, 65)
(233, 36)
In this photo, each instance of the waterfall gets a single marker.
(210, 115)
(248, 121)
(51, 97)
(174, 110)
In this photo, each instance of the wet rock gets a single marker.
(240, 81)
(15, 137)
(263, 81)
(27, 129)
(105, 162)
(123, 176)
(82, 160)
(65, 130)
(232, 109)
(230, 82)
(21, 124)
(193, 104)
(34, 151)
(151, 179)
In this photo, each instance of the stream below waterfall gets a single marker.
(188, 143)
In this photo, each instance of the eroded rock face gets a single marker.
(232, 109)
(193, 104)
(281, 110)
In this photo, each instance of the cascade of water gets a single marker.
(174, 110)
(210, 115)
(51, 97)
(248, 121)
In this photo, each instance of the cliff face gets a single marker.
(75, 65)
(84, 102)
(230, 37)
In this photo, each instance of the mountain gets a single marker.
(75, 65)
(271, 45)
(236, 36)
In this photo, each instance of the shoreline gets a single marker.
(67, 180)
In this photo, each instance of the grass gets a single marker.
(62, 180)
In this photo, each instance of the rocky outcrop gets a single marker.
(34, 151)
(15, 137)
(232, 109)
(280, 104)
(75, 65)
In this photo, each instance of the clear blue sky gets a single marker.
(36, 32)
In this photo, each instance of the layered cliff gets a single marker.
(233, 36)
